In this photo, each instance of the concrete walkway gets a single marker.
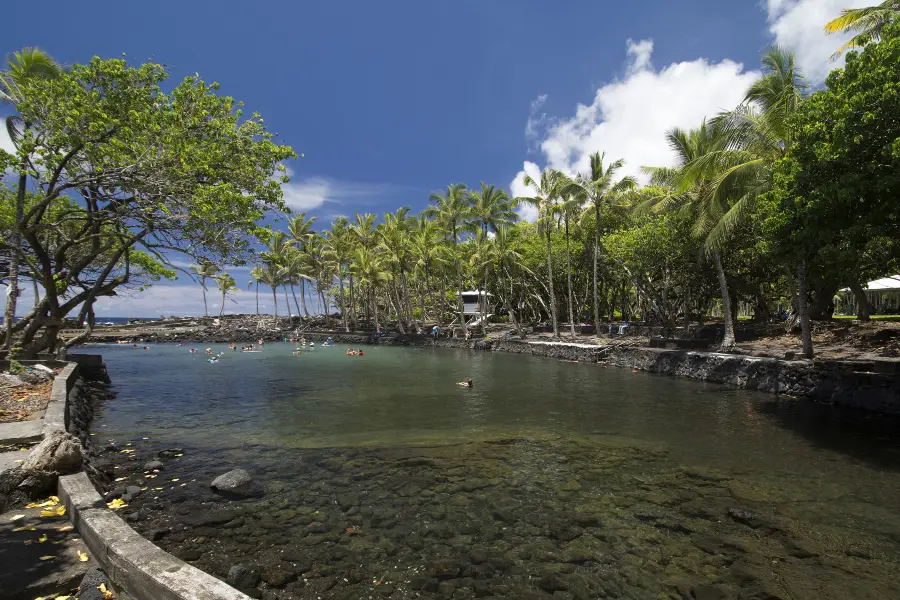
(24, 575)
(22, 431)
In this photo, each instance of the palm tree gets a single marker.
(299, 228)
(491, 208)
(22, 67)
(340, 247)
(429, 254)
(271, 275)
(363, 230)
(204, 270)
(278, 255)
(570, 206)
(546, 192)
(370, 272)
(453, 212)
(254, 279)
(226, 284)
(395, 244)
(868, 24)
(739, 169)
(504, 262)
(601, 191)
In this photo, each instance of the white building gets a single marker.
(883, 296)
(473, 300)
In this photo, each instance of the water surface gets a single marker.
(546, 478)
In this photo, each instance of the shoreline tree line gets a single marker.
(770, 209)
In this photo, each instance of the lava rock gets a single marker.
(236, 483)
(243, 576)
(131, 492)
(170, 453)
(153, 465)
(89, 588)
(60, 452)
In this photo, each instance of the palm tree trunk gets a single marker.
(375, 309)
(303, 297)
(552, 291)
(275, 303)
(805, 329)
(257, 298)
(353, 319)
(343, 305)
(12, 292)
(203, 287)
(324, 303)
(409, 309)
(728, 338)
(296, 304)
(287, 303)
(441, 300)
(394, 298)
(569, 277)
(462, 306)
(596, 259)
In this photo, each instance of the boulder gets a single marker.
(243, 576)
(60, 452)
(236, 483)
(153, 465)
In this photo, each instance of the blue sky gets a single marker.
(392, 100)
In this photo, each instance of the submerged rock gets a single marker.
(243, 576)
(236, 483)
(153, 464)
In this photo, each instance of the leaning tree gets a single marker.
(125, 176)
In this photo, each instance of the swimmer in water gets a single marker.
(467, 383)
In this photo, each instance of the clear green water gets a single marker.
(384, 478)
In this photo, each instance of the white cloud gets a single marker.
(639, 55)
(629, 118)
(5, 142)
(518, 189)
(799, 26)
(313, 192)
(536, 122)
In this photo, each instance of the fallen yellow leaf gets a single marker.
(47, 557)
(16, 517)
(48, 513)
(179, 455)
(28, 542)
(65, 528)
(174, 480)
(60, 511)
(54, 499)
(120, 478)
(117, 504)
(42, 539)
(24, 528)
(83, 557)
(19, 460)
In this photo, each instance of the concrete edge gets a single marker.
(144, 570)
(55, 418)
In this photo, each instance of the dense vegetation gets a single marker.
(770, 208)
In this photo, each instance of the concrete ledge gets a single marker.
(55, 419)
(145, 571)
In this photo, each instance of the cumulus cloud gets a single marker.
(798, 25)
(518, 189)
(628, 118)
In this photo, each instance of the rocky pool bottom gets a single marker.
(542, 516)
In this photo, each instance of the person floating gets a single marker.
(260, 342)
(209, 351)
(467, 383)
(193, 351)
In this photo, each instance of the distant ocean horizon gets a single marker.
(121, 320)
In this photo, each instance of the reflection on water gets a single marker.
(563, 478)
